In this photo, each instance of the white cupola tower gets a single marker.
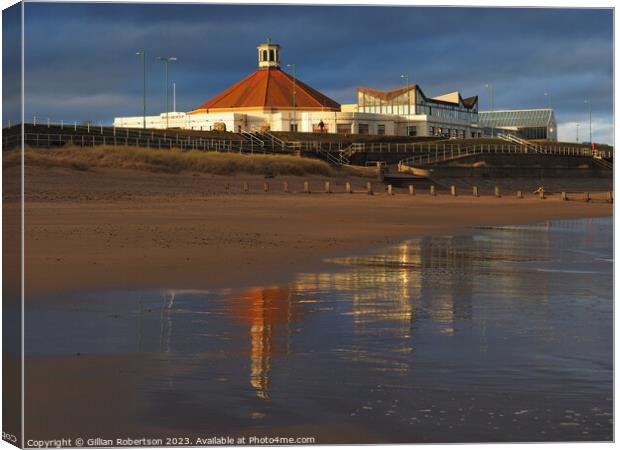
(268, 55)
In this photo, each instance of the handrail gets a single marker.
(445, 154)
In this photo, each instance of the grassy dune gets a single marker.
(175, 161)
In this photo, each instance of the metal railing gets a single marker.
(517, 140)
(58, 134)
(447, 153)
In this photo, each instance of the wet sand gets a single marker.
(124, 229)
(112, 228)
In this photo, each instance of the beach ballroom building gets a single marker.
(270, 99)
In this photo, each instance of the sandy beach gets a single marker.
(121, 228)
(110, 228)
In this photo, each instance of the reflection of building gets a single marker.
(526, 123)
(267, 311)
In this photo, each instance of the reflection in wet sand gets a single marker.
(447, 338)
(263, 309)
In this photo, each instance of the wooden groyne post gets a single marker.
(588, 197)
(498, 193)
(347, 188)
(541, 194)
(475, 192)
(433, 189)
(564, 196)
(453, 190)
(389, 189)
(369, 188)
(266, 186)
(519, 194)
(328, 187)
(285, 187)
(411, 190)
(306, 187)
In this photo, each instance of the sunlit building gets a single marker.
(525, 123)
(270, 99)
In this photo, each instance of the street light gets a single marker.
(174, 96)
(490, 87)
(405, 77)
(548, 95)
(166, 60)
(589, 102)
(294, 121)
(142, 55)
(577, 126)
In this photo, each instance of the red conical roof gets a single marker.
(269, 89)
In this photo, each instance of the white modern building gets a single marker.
(270, 99)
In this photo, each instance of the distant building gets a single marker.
(270, 99)
(525, 123)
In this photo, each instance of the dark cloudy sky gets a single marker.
(81, 63)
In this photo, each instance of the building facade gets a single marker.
(270, 99)
(525, 123)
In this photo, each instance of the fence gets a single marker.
(446, 153)
(86, 135)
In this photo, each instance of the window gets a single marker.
(264, 55)
(271, 56)
(381, 129)
(412, 130)
(294, 127)
(343, 128)
(362, 128)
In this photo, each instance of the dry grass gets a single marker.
(175, 161)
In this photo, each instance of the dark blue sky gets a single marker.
(81, 62)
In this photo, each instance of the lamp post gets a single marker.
(142, 55)
(405, 76)
(490, 87)
(577, 126)
(294, 121)
(166, 60)
(589, 102)
(548, 95)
